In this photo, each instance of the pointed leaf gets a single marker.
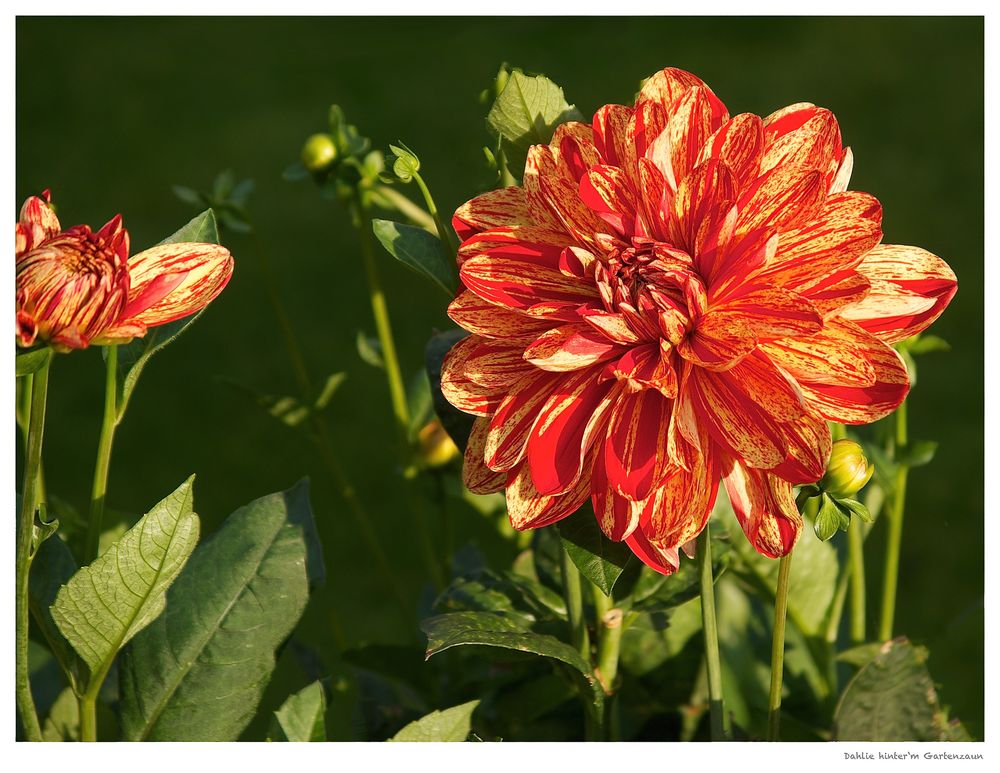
(63, 721)
(452, 725)
(199, 671)
(51, 569)
(599, 559)
(526, 113)
(418, 249)
(302, 717)
(29, 362)
(458, 425)
(108, 602)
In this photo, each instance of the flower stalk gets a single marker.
(778, 649)
(103, 465)
(895, 538)
(573, 595)
(713, 662)
(444, 231)
(25, 530)
(856, 560)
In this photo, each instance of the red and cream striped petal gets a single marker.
(765, 507)
(703, 201)
(515, 417)
(653, 554)
(608, 192)
(530, 509)
(806, 139)
(479, 478)
(635, 453)
(617, 515)
(495, 209)
(575, 413)
(483, 318)
(172, 281)
(863, 404)
(785, 198)
(839, 355)
(770, 311)
(695, 118)
(551, 191)
(910, 288)
(718, 342)
(739, 144)
(570, 347)
(460, 378)
(682, 503)
(809, 443)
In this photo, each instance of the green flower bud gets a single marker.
(318, 153)
(848, 470)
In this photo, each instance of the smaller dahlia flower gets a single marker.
(78, 287)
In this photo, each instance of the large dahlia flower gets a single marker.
(675, 297)
(77, 287)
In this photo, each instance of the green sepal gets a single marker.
(29, 362)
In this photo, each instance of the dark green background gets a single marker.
(111, 112)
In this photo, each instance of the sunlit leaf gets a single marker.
(198, 672)
(452, 725)
(419, 250)
(302, 717)
(599, 559)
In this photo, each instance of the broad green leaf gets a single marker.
(892, 698)
(418, 249)
(452, 725)
(302, 717)
(456, 423)
(599, 559)
(63, 720)
(29, 362)
(132, 357)
(51, 569)
(198, 672)
(526, 113)
(108, 602)
(506, 632)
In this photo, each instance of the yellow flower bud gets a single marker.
(848, 470)
(318, 152)
(436, 447)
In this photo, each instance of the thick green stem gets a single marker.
(778, 649)
(88, 718)
(608, 624)
(25, 530)
(444, 231)
(856, 558)
(573, 594)
(507, 180)
(109, 424)
(380, 310)
(713, 663)
(895, 537)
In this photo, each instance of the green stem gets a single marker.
(507, 180)
(25, 530)
(778, 649)
(444, 231)
(713, 663)
(88, 718)
(895, 538)
(573, 594)
(390, 198)
(397, 391)
(608, 620)
(856, 559)
(102, 467)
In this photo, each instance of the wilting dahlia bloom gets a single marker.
(675, 297)
(77, 287)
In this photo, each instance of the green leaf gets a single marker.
(656, 592)
(526, 113)
(108, 602)
(63, 721)
(852, 507)
(599, 559)
(302, 717)
(51, 569)
(42, 528)
(457, 424)
(420, 402)
(369, 349)
(917, 454)
(891, 698)
(189, 195)
(452, 725)
(132, 357)
(830, 518)
(506, 632)
(406, 163)
(925, 344)
(418, 249)
(291, 411)
(860, 655)
(29, 362)
(295, 172)
(198, 672)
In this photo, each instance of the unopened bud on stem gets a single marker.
(848, 470)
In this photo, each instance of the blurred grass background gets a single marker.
(111, 112)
